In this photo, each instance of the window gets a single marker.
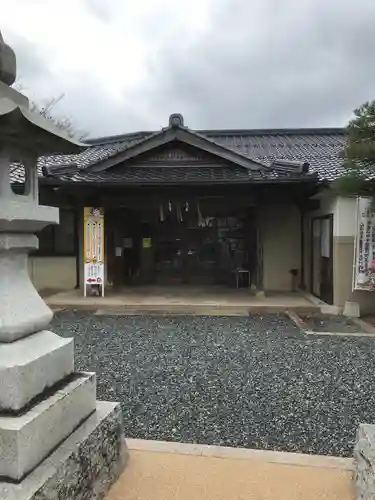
(59, 239)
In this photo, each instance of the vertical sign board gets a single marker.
(94, 247)
(364, 250)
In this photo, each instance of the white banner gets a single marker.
(364, 250)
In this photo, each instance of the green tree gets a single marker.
(359, 155)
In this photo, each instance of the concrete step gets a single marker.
(174, 310)
(197, 310)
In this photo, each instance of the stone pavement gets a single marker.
(209, 301)
(170, 471)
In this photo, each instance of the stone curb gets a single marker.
(276, 457)
(369, 330)
(180, 310)
(340, 334)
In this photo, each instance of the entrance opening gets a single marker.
(193, 243)
(186, 253)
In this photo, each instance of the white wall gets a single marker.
(343, 210)
(327, 203)
(344, 228)
(280, 227)
(57, 273)
(344, 216)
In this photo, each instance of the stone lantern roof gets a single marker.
(21, 128)
(25, 129)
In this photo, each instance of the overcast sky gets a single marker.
(125, 65)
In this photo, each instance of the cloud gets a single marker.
(300, 67)
(127, 65)
(101, 9)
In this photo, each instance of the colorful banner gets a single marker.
(94, 247)
(364, 254)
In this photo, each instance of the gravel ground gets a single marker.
(330, 323)
(242, 381)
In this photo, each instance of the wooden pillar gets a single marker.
(259, 257)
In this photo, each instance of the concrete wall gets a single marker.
(343, 258)
(281, 237)
(58, 273)
(345, 217)
(343, 249)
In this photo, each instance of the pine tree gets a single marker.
(359, 155)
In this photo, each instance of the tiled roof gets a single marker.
(321, 148)
(186, 174)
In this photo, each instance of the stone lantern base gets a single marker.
(82, 467)
(56, 441)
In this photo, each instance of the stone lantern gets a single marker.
(56, 440)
